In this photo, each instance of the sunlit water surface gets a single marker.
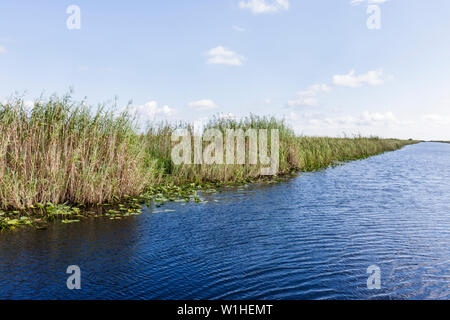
(310, 237)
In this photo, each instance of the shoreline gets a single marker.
(40, 215)
(60, 160)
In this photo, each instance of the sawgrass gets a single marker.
(61, 151)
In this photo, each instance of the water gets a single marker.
(311, 237)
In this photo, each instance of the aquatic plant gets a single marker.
(62, 155)
(60, 152)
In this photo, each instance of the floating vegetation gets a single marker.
(12, 223)
(70, 221)
(63, 162)
(39, 215)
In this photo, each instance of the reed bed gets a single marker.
(61, 151)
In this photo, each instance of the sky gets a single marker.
(329, 67)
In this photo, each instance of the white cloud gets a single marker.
(28, 105)
(149, 111)
(239, 29)
(313, 90)
(301, 101)
(221, 55)
(228, 116)
(204, 104)
(308, 97)
(264, 6)
(292, 116)
(437, 119)
(367, 119)
(3, 50)
(373, 78)
(377, 118)
(357, 2)
(200, 123)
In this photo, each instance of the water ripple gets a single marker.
(311, 237)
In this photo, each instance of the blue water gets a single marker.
(310, 237)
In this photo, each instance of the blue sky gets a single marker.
(315, 63)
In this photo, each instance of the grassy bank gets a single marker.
(60, 152)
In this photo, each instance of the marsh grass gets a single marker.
(297, 153)
(61, 152)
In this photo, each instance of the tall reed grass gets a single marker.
(61, 151)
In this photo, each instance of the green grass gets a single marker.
(63, 153)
